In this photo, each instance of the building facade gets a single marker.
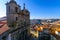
(18, 20)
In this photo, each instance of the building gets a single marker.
(18, 22)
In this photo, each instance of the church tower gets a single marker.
(12, 10)
(26, 15)
(18, 20)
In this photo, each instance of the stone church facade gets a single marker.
(18, 21)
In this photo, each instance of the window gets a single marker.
(16, 18)
(4, 38)
(9, 8)
(16, 9)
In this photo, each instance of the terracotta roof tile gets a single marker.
(2, 23)
(3, 26)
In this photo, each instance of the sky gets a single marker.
(39, 9)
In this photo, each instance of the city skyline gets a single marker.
(39, 9)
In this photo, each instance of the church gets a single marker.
(17, 23)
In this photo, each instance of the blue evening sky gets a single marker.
(39, 9)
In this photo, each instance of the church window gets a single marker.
(16, 9)
(9, 8)
(16, 18)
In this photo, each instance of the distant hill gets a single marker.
(38, 21)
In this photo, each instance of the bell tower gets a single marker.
(26, 15)
(12, 10)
